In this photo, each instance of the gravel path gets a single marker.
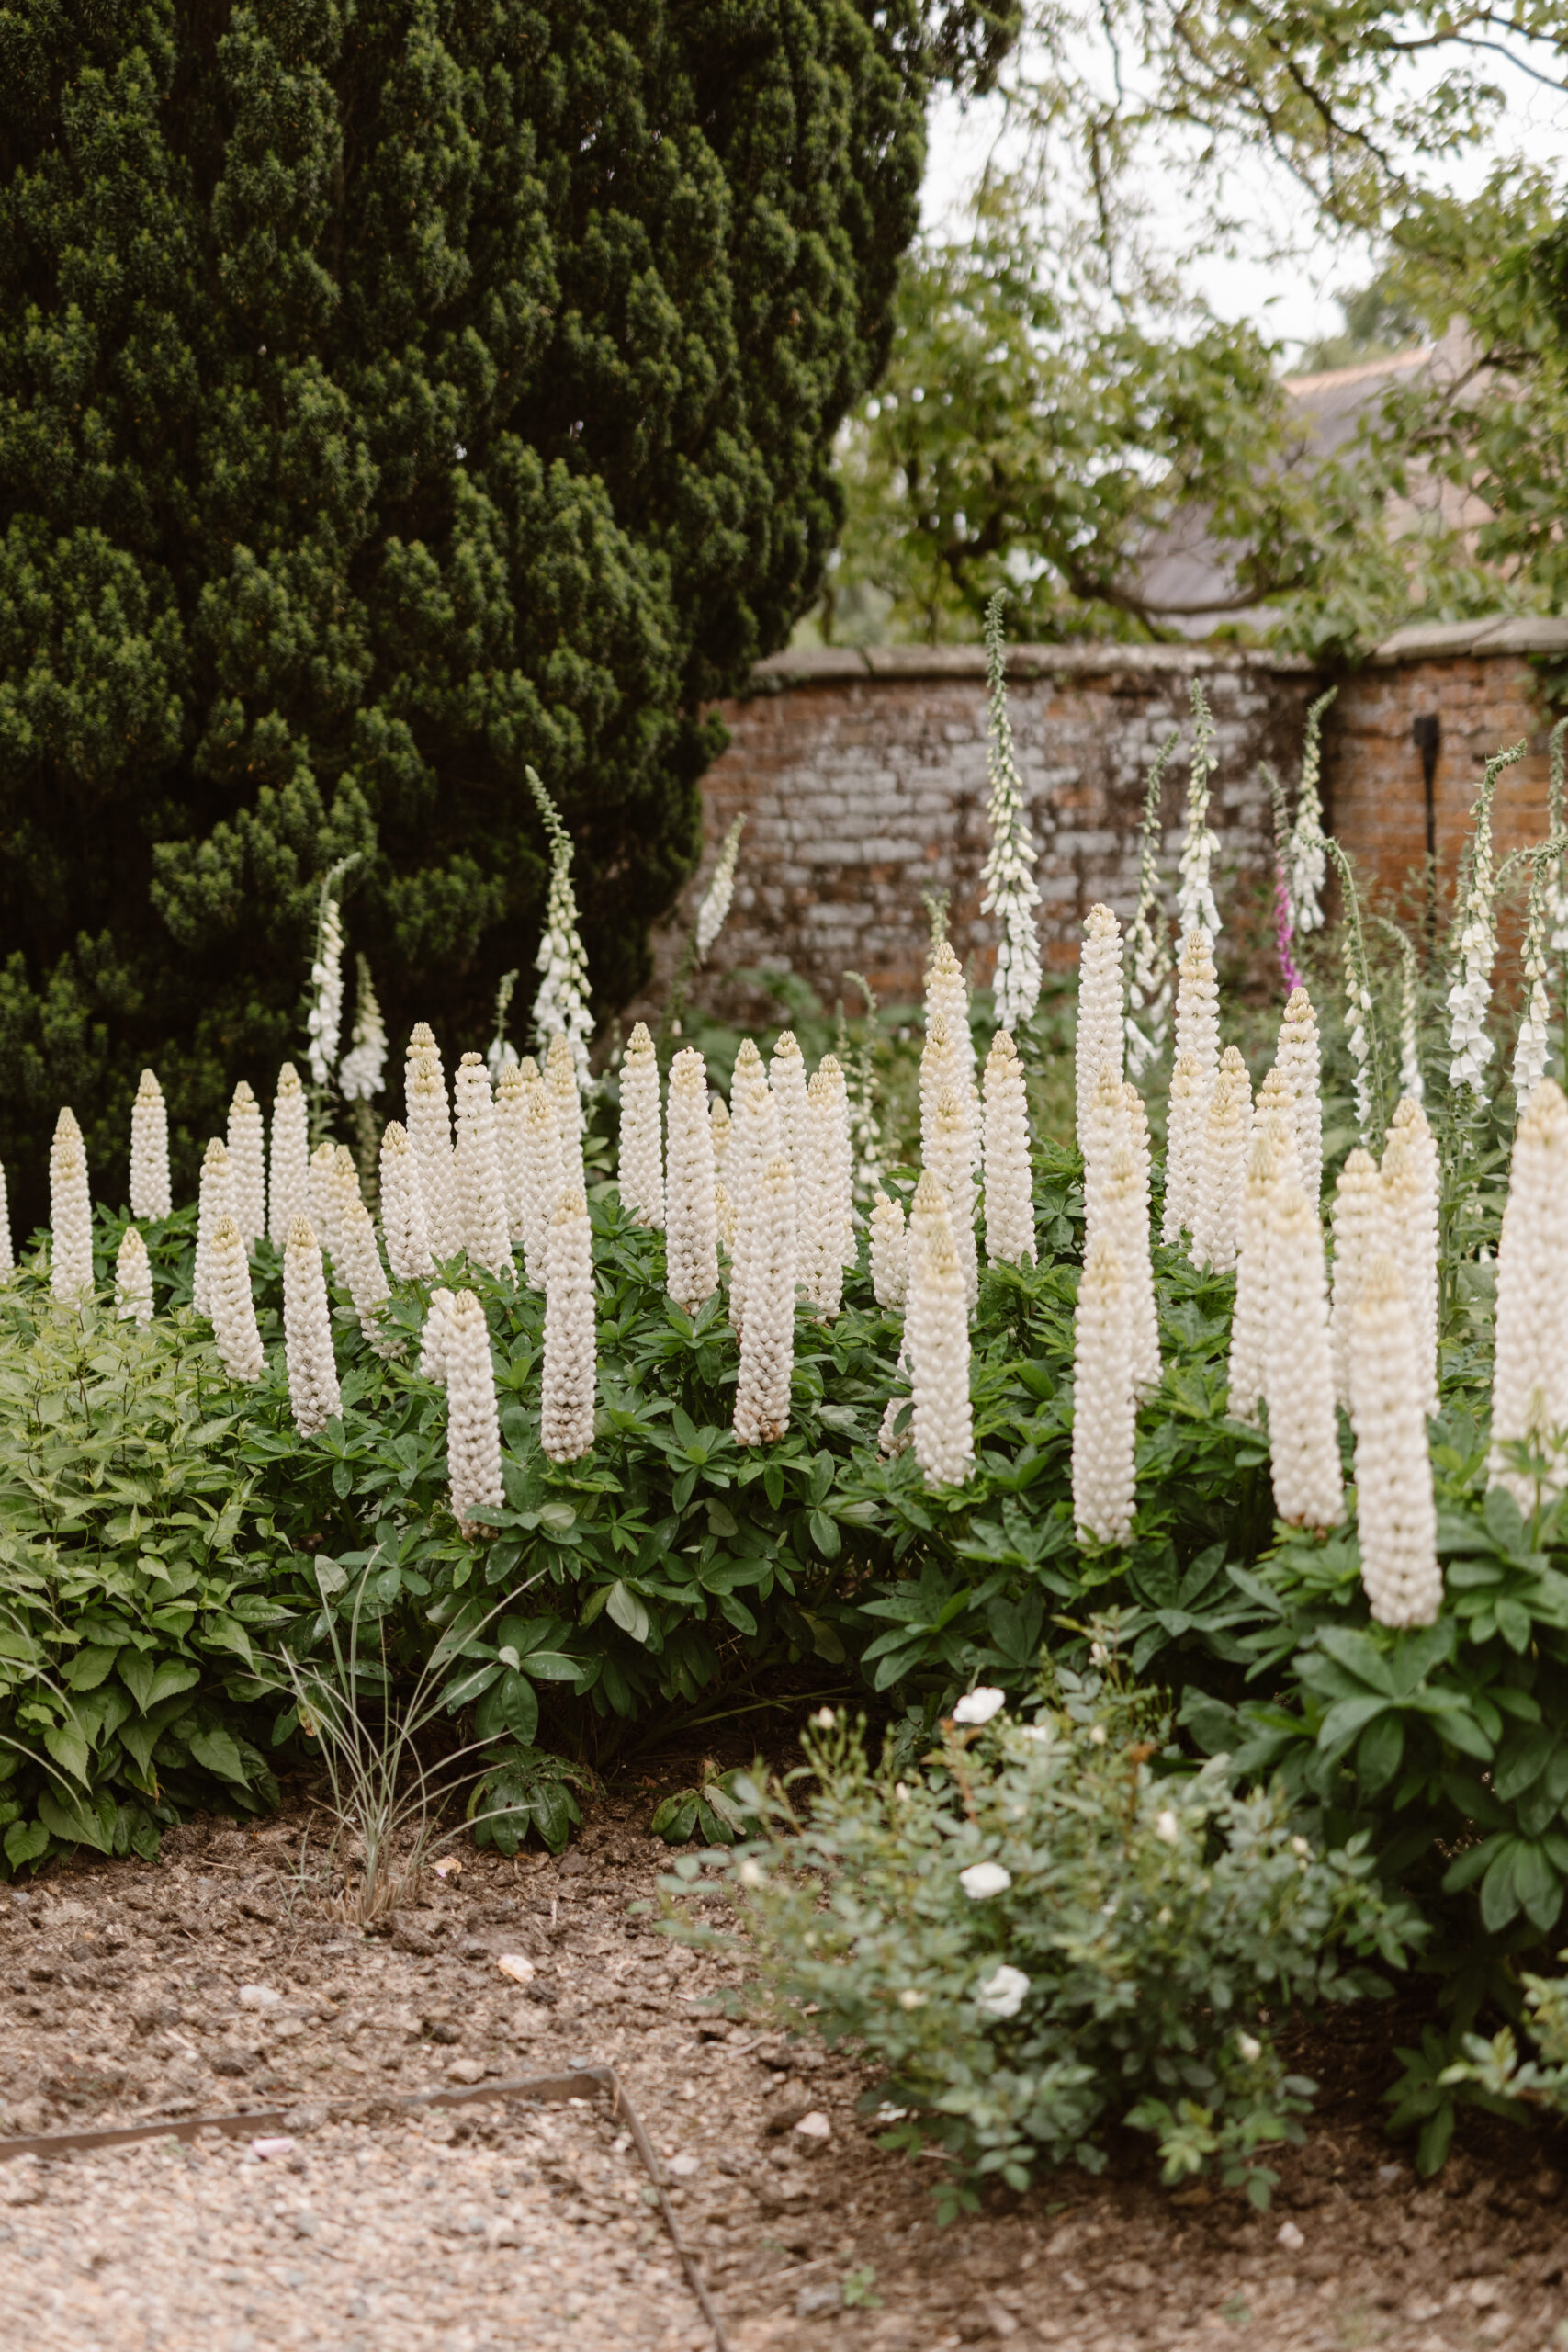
(209, 1982)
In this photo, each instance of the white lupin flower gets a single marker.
(786, 1076)
(362, 1073)
(1221, 1171)
(724, 1215)
(889, 1269)
(247, 1158)
(7, 1254)
(518, 1082)
(1304, 1433)
(941, 1425)
(430, 1133)
(482, 1194)
(402, 1207)
(560, 1007)
(1195, 907)
(840, 1156)
(325, 1017)
(560, 1075)
(1104, 1419)
(1361, 1234)
(718, 1124)
(289, 1192)
(691, 1241)
(433, 1339)
(982, 1880)
(717, 900)
(927, 1211)
(1149, 988)
(767, 1335)
(322, 1196)
(360, 1262)
(314, 1391)
(571, 1374)
(544, 1182)
(473, 1429)
(642, 1140)
(938, 1076)
(133, 1278)
(70, 1214)
(1300, 1064)
(947, 999)
(1105, 1131)
(232, 1306)
(1410, 1204)
(150, 1191)
(1002, 1993)
(756, 1143)
(1125, 1222)
(1397, 1511)
(1100, 1023)
(1009, 1181)
(821, 1204)
(1198, 1055)
(214, 1200)
(977, 1707)
(1530, 1378)
(1306, 856)
(1009, 889)
(950, 1162)
(1266, 1172)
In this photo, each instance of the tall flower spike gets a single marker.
(70, 1214)
(1195, 905)
(313, 1393)
(927, 1211)
(133, 1279)
(518, 1083)
(7, 1254)
(433, 1339)
(1104, 1415)
(820, 1206)
(1185, 1109)
(1361, 1234)
(1148, 989)
(717, 900)
(724, 1215)
(786, 1076)
(1306, 858)
(889, 1260)
(481, 1195)
(1104, 1132)
(560, 1007)
(430, 1133)
(325, 1017)
(1100, 1029)
(473, 1428)
(566, 1417)
(757, 1143)
(941, 1425)
(1411, 1213)
(1010, 1193)
(402, 1207)
(1266, 1163)
(691, 1240)
(1530, 1378)
(938, 1076)
(561, 1077)
(949, 1162)
(247, 1158)
(642, 1141)
(767, 1337)
(1529, 1051)
(232, 1308)
(362, 1073)
(840, 1155)
(1009, 889)
(150, 1193)
(947, 999)
(215, 1200)
(1300, 1063)
(1196, 1035)
(1411, 1081)
(544, 1184)
(344, 1192)
(365, 1275)
(288, 1193)
(322, 1201)
(1397, 1511)
(1304, 1433)
(1124, 1221)
(718, 1123)
(1470, 995)
(1222, 1171)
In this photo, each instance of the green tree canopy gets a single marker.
(395, 393)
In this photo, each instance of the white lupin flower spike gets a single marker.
(1186, 1108)
(840, 1156)
(402, 1207)
(1221, 1171)
(7, 1254)
(1304, 1431)
(1105, 1414)
(1125, 1224)
(1267, 1167)
(938, 1076)
(642, 1142)
(691, 1238)
(767, 1335)
(757, 1143)
(482, 1194)
(70, 1214)
(514, 1089)
(233, 1309)
(1101, 1034)
(149, 1193)
(313, 1393)
(1530, 1376)
(433, 1339)
(947, 1000)
(473, 1428)
(718, 1123)
(818, 1210)
(1300, 1064)
(927, 1211)
(941, 1425)
(950, 1163)
(889, 1263)
(1411, 1241)
(1198, 1052)
(544, 1182)
(724, 1215)
(1105, 1131)
(247, 1158)
(566, 1416)
(214, 1200)
(322, 1210)
(430, 1133)
(1360, 1219)
(289, 1192)
(1397, 1511)
(133, 1279)
(1010, 1181)
(560, 1075)
(786, 1076)
(365, 1275)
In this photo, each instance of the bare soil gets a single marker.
(121, 1995)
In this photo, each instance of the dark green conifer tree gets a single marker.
(394, 393)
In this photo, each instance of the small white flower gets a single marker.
(1164, 1917)
(910, 1999)
(1097, 1735)
(900, 1791)
(1001, 1994)
(749, 1874)
(1300, 1845)
(983, 1879)
(1169, 1828)
(1251, 2051)
(823, 1719)
(1098, 1654)
(979, 1706)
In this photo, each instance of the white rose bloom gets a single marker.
(1168, 1828)
(982, 1880)
(1001, 1994)
(979, 1706)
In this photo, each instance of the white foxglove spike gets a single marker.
(363, 1070)
(560, 1007)
(7, 1254)
(566, 1414)
(473, 1428)
(288, 1193)
(1008, 885)
(314, 1391)
(149, 1191)
(1397, 1511)
(691, 1239)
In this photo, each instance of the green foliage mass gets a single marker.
(393, 395)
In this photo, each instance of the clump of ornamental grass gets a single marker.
(1042, 1931)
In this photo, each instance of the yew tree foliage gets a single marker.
(394, 393)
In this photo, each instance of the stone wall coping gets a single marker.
(1525, 633)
